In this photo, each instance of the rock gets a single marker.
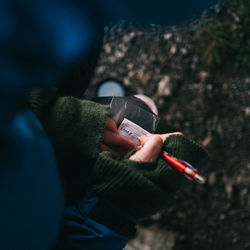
(152, 238)
(167, 36)
(173, 49)
(164, 87)
(209, 106)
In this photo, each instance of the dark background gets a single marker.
(168, 12)
(208, 104)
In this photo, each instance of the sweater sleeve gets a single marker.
(75, 128)
(143, 188)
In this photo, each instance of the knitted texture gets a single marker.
(75, 128)
(143, 188)
(41, 100)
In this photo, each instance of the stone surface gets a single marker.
(213, 108)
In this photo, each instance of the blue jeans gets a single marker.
(82, 232)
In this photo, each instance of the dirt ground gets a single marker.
(211, 107)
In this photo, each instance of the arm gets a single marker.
(134, 185)
(123, 188)
(121, 184)
(78, 129)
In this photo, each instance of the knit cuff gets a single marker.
(41, 100)
(182, 148)
(117, 180)
(185, 149)
(75, 128)
(143, 188)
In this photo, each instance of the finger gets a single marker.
(165, 136)
(145, 138)
(111, 125)
(150, 150)
(114, 149)
(115, 140)
(105, 148)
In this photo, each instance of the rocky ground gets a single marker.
(210, 105)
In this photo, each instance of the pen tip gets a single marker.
(200, 179)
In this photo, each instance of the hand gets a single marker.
(112, 141)
(150, 147)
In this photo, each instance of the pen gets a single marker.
(184, 167)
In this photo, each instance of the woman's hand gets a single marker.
(112, 141)
(151, 145)
(149, 150)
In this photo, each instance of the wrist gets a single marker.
(185, 149)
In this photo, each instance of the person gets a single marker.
(42, 165)
(107, 191)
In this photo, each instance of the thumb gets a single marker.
(150, 150)
(145, 138)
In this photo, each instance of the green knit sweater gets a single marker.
(75, 128)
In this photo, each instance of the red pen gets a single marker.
(184, 167)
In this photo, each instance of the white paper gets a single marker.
(132, 131)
